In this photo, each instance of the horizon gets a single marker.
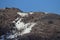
(50, 6)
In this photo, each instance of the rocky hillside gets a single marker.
(18, 25)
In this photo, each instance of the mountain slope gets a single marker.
(18, 25)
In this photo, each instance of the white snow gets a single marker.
(2, 37)
(28, 30)
(22, 14)
(11, 36)
(15, 20)
(21, 25)
(46, 12)
(31, 12)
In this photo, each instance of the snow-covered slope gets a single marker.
(18, 25)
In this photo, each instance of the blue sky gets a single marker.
(33, 5)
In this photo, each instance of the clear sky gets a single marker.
(33, 5)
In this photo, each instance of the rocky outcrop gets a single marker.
(18, 25)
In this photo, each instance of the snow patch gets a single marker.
(2, 37)
(8, 36)
(15, 20)
(28, 29)
(19, 25)
(22, 14)
(46, 12)
(11, 36)
(31, 13)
